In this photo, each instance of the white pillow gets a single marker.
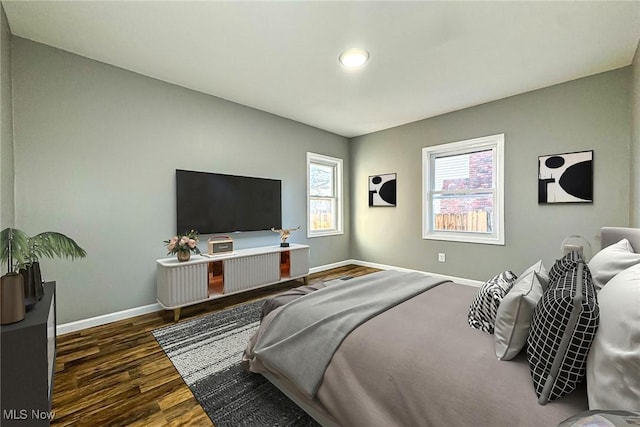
(613, 364)
(610, 261)
(515, 312)
(539, 269)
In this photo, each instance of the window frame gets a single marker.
(496, 144)
(337, 165)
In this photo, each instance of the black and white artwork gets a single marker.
(566, 178)
(382, 190)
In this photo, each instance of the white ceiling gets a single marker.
(427, 58)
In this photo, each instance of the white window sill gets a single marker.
(453, 237)
(324, 233)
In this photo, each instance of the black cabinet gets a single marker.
(27, 364)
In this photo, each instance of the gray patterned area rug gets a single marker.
(207, 350)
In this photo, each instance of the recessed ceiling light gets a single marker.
(354, 57)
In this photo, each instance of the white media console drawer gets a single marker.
(180, 284)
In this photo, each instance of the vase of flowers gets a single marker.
(184, 256)
(182, 245)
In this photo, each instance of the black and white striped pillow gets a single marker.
(563, 327)
(483, 308)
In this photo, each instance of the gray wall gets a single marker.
(635, 141)
(587, 114)
(96, 148)
(6, 127)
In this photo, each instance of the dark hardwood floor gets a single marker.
(117, 374)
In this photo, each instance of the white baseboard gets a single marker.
(78, 325)
(91, 322)
(460, 280)
(330, 266)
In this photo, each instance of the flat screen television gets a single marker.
(217, 203)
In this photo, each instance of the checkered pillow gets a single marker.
(566, 263)
(483, 309)
(564, 325)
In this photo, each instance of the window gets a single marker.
(463, 191)
(324, 195)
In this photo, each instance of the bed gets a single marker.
(418, 362)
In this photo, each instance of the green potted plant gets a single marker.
(26, 252)
(12, 305)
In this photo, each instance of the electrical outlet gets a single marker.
(442, 257)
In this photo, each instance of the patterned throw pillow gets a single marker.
(483, 309)
(564, 325)
(566, 263)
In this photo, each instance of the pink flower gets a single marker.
(183, 243)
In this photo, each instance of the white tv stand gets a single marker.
(202, 278)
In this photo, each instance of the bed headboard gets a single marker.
(611, 235)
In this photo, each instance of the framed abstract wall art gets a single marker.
(565, 178)
(382, 190)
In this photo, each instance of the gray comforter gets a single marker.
(420, 364)
(306, 332)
